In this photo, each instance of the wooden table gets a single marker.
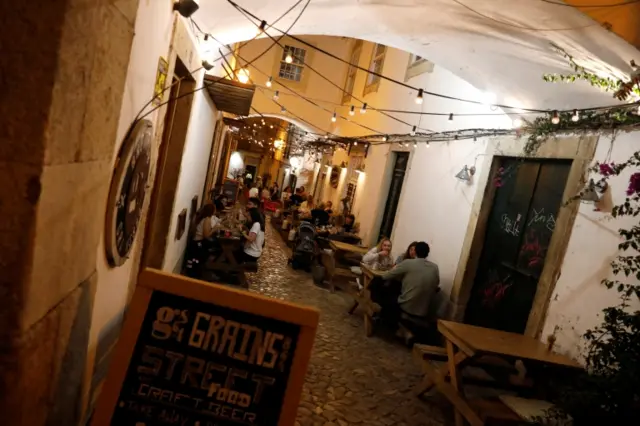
(363, 297)
(348, 248)
(465, 343)
(226, 261)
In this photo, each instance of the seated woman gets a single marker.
(206, 223)
(409, 254)
(254, 237)
(198, 248)
(379, 257)
(306, 207)
(328, 207)
(350, 226)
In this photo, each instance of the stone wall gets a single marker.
(62, 79)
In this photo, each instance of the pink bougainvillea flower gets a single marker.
(606, 169)
(634, 184)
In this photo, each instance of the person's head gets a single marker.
(275, 184)
(411, 251)
(298, 190)
(255, 216)
(322, 206)
(422, 250)
(302, 189)
(253, 203)
(349, 219)
(329, 204)
(207, 210)
(384, 245)
(287, 189)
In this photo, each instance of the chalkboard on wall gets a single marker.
(198, 354)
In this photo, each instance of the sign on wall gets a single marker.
(161, 79)
(198, 354)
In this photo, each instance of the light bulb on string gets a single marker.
(363, 110)
(419, 98)
(555, 119)
(263, 26)
(334, 118)
(352, 110)
(269, 82)
(428, 144)
(451, 117)
(288, 59)
(517, 122)
(271, 126)
(413, 131)
(415, 144)
(575, 116)
(385, 138)
(283, 110)
(276, 95)
(355, 143)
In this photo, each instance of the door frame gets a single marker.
(579, 149)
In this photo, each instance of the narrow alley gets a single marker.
(352, 379)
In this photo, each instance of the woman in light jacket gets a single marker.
(379, 257)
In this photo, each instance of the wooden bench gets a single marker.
(334, 272)
(533, 411)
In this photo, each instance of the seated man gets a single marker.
(420, 282)
(319, 216)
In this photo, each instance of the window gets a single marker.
(292, 71)
(352, 71)
(417, 65)
(377, 62)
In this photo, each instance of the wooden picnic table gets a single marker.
(466, 343)
(225, 261)
(348, 248)
(363, 297)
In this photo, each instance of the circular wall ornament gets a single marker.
(128, 192)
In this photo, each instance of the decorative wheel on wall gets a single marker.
(128, 192)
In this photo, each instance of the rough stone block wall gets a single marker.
(62, 70)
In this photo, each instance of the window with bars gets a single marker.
(352, 71)
(376, 65)
(292, 71)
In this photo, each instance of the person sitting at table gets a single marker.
(286, 193)
(206, 223)
(221, 202)
(254, 237)
(328, 207)
(275, 192)
(319, 215)
(379, 257)
(420, 281)
(409, 254)
(296, 199)
(254, 191)
(306, 206)
(349, 226)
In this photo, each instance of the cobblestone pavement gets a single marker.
(352, 379)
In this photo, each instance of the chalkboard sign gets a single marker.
(198, 354)
(230, 189)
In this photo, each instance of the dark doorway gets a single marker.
(393, 197)
(528, 195)
(174, 136)
(250, 170)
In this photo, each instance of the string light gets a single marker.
(575, 116)
(555, 119)
(451, 117)
(419, 98)
(263, 26)
(363, 110)
(276, 95)
(352, 110)
(517, 122)
(334, 118)
(288, 59)
(413, 131)
(415, 144)
(270, 81)
(428, 144)
(355, 143)
(283, 110)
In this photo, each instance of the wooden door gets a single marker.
(395, 189)
(527, 198)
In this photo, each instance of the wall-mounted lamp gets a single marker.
(593, 192)
(207, 65)
(186, 8)
(466, 173)
(360, 170)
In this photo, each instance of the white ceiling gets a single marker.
(492, 56)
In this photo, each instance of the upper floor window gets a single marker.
(377, 62)
(352, 71)
(292, 70)
(417, 65)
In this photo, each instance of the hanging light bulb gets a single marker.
(271, 126)
(269, 82)
(355, 143)
(517, 122)
(276, 95)
(283, 109)
(288, 59)
(263, 26)
(451, 117)
(352, 110)
(415, 144)
(334, 118)
(363, 110)
(419, 99)
(385, 138)
(413, 131)
(555, 119)
(428, 144)
(575, 116)
(243, 76)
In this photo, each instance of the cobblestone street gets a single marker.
(352, 379)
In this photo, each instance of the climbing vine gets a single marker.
(609, 391)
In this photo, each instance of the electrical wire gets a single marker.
(598, 6)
